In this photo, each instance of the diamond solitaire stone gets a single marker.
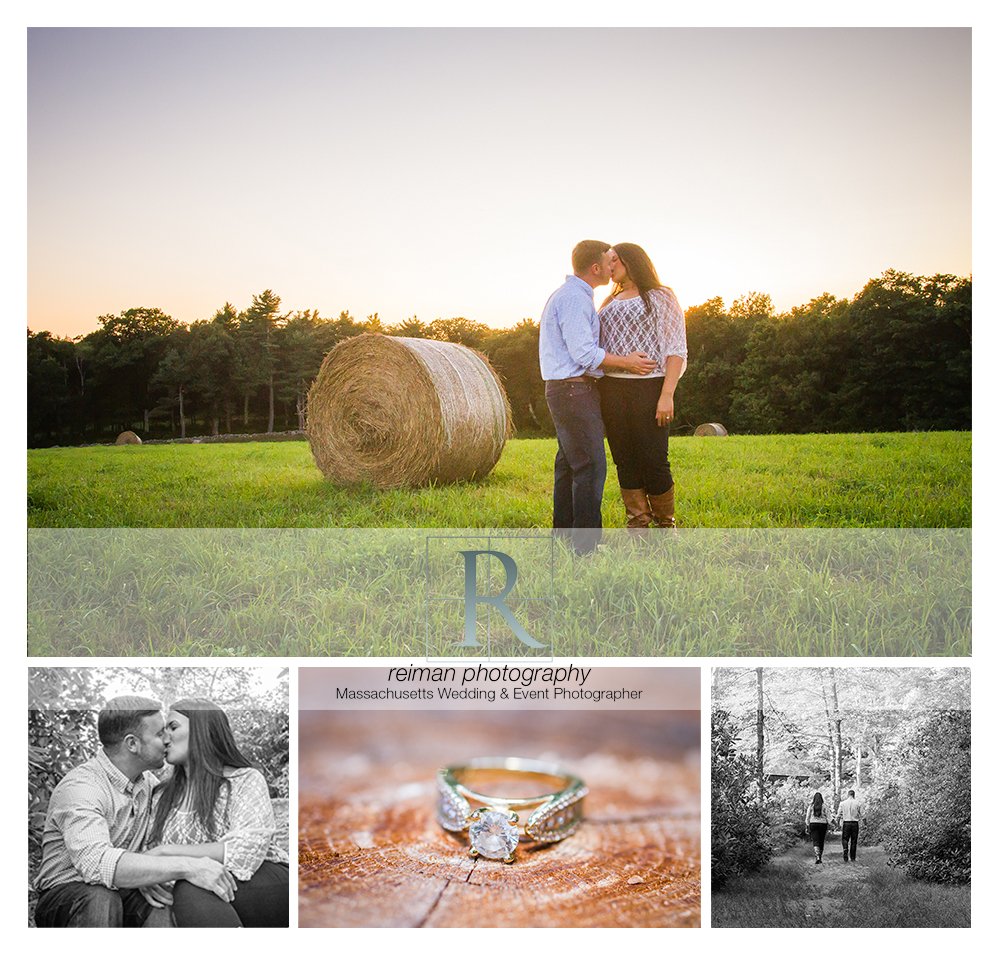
(493, 836)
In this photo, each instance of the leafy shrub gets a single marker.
(879, 810)
(58, 741)
(927, 829)
(740, 840)
(786, 803)
(263, 738)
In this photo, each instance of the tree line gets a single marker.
(898, 356)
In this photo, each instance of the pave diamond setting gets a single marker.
(452, 809)
(493, 834)
(558, 819)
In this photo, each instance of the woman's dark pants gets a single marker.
(638, 445)
(261, 902)
(817, 832)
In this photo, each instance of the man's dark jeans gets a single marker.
(79, 905)
(581, 466)
(849, 838)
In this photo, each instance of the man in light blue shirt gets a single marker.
(571, 361)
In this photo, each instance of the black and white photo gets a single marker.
(841, 797)
(158, 797)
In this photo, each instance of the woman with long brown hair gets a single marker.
(216, 804)
(817, 823)
(642, 315)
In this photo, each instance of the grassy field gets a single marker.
(335, 592)
(908, 480)
(792, 892)
(807, 545)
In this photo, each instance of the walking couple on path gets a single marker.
(611, 370)
(849, 815)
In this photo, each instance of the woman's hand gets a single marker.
(159, 896)
(158, 851)
(665, 409)
(212, 876)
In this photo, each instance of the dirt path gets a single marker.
(824, 886)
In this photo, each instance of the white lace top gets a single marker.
(626, 327)
(244, 823)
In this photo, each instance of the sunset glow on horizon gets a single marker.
(446, 172)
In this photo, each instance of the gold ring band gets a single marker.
(492, 820)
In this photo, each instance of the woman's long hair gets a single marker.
(640, 270)
(817, 804)
(211, 747)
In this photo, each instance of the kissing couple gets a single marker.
(191, 846)
(611, 370)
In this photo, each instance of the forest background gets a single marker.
(897, 356)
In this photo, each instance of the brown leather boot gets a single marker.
(663, 509)
(637, 511)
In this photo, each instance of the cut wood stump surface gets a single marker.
(371, 853)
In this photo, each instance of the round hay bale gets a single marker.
(128, 438)
(711, 429)
(400, 412)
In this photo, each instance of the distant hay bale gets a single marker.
(128, 438)
(711, 429)
(400, 412)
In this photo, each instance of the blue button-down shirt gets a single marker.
(569, 328)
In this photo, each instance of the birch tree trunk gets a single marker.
(760, 737)
(829, 728)
(838, 738)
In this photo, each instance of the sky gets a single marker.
(449, 172)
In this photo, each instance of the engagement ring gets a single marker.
(494, 821)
